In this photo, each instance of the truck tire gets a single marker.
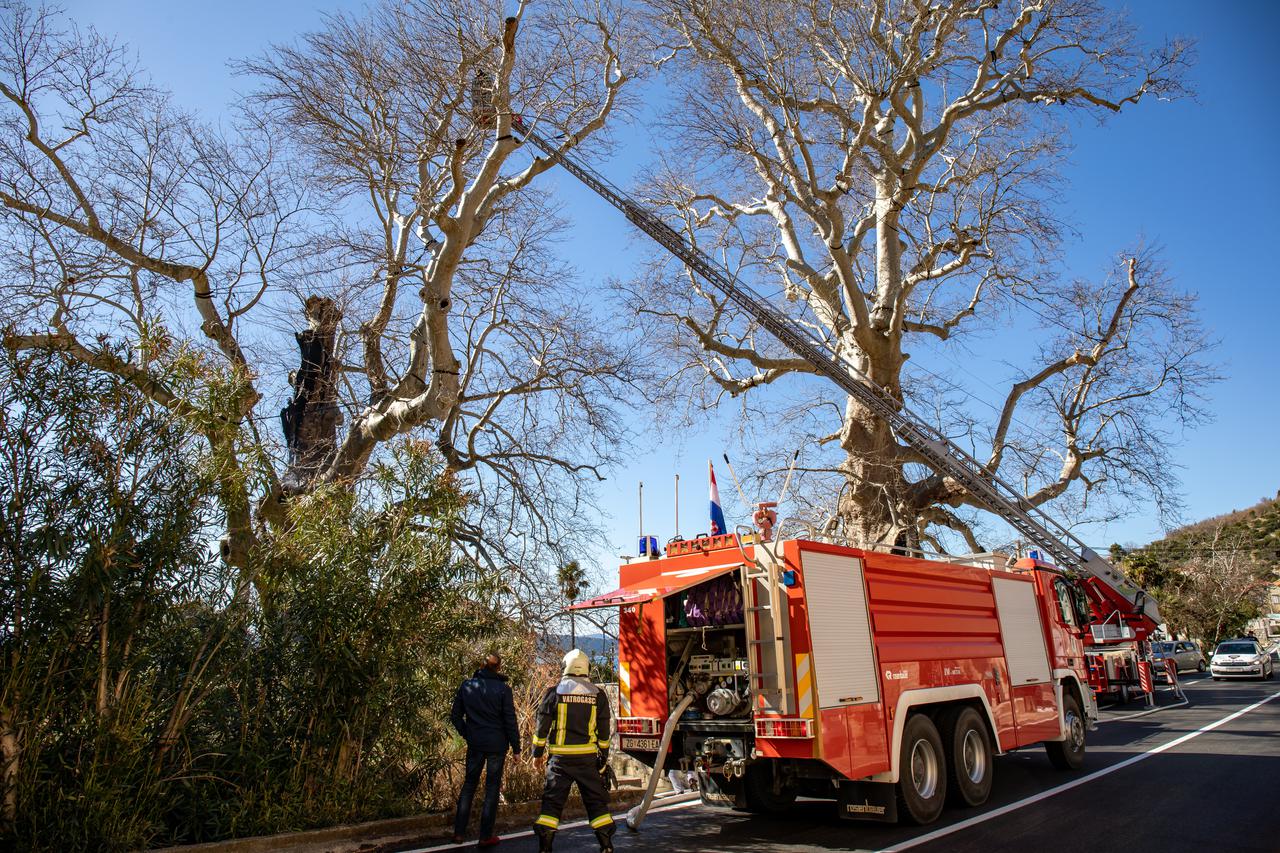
(922, 771)
(757, 788)
(966, 746)
(1069, 754)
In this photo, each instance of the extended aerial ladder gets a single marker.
(942, 454)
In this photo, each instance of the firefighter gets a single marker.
(573, 726)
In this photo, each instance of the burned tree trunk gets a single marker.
(310, 420)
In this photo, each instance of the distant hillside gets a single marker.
(1255, 529)
(1211, 578)
(592, 644)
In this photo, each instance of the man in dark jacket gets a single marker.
(484, 713)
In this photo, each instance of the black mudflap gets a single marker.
(716, 790)
(867, 801)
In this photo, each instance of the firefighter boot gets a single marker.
(605, 836)
(545, 836)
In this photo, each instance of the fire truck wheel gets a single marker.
(1069, 754)
(922, 771)
(967, 749)
(757, 787)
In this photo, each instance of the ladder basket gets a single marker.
(1111, 633)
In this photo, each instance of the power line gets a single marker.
(1178, 550)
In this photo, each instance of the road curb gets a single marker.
(379, 834)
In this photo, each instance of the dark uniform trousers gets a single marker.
(573, 726)
(562, 772)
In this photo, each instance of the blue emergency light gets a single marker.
(648, 546)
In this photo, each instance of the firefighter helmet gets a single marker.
(576, 663)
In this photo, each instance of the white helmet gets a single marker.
(576, 663)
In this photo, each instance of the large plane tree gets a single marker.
(887, 169)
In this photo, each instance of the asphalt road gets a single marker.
(1196, 778)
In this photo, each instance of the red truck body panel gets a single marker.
(932, 624)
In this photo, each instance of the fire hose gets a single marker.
(636, 815)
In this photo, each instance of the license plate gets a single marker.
(640, 744)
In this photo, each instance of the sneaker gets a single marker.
(491, 841)
(457, 839)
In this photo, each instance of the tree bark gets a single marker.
(310, 420)
(9, 751)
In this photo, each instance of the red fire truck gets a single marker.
(885, 682)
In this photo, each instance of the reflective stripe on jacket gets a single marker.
(573, 719)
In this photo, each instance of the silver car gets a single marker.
(1186, 653)
(1241, 659)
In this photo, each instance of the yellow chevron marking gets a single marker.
(624, 689)
(804, 686)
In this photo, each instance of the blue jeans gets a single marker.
(492, 764)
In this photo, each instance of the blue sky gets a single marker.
(1197, 176)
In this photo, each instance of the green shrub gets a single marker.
(150, 695)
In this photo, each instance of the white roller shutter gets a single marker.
(844, 661)
(1021, 631)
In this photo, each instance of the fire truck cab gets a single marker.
(885, 682)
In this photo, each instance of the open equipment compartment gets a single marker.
(707, 657)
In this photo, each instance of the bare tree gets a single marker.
(376, 183)
(889, 166)
(127, 225)
(454, 314)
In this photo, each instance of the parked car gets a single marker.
(1241, 659)
(1186, 653)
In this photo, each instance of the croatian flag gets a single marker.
(717, 515)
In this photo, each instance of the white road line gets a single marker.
(1044, 795)
(620, 817)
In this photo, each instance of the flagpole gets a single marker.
(736, 484)
(677, 506)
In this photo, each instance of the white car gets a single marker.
(1240, 659)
